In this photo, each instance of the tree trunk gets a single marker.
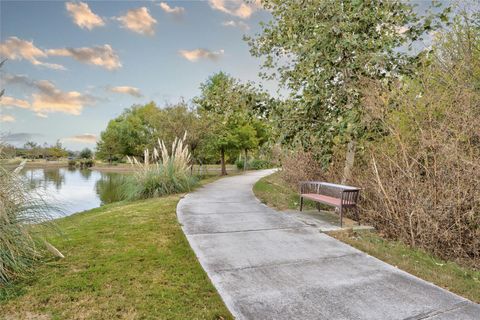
(222, 162)
(349, 161)
(245, 161)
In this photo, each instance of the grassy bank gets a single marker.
(123, 261)
(274, 192)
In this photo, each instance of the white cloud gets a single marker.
(139, 20)
(82, 15)
(6, 118)
(14, 102)
(51, 99)
(17, 49)
(237, 8)
(102, 56)
(236, 24)
(82, 138)
(135, 92)
(47, 98)
(16, 79)
(196, 54)
(176, 11)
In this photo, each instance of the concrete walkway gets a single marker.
(269, 265)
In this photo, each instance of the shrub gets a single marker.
(72, 163)
(20, 208)
(254, 164)
(167, 174)
(421, 182)
(257, 164)
(88, 163)
(299, 166)
(86, 153)
(240, 164)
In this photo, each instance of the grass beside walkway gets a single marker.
(272, 191)
(123, 261)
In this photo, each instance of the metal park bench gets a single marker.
(336, 195)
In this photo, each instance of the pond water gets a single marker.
(70, 190)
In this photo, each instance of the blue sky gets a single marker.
(74, 66)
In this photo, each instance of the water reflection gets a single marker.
(54, 177)
(108, 187)
(74, 190)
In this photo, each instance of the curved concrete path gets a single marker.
(268, 265)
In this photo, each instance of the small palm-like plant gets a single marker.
(160, 173)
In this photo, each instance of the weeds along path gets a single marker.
(267, 265)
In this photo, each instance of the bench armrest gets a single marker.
(350, 197)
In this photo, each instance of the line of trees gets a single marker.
(224, 121)
(33, 150)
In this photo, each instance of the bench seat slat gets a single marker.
(325, 199)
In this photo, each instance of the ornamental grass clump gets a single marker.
(20, 209)
(160, 173)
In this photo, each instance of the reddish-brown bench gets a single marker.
(336, 195)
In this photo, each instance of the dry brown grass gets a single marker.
(421, 179)
(298, 166)
(419, 169)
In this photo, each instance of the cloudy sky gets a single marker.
(73, 66)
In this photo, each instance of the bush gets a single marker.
(86, 153)
(257, 164)
(421, 181)
(167, 174)
(157, 181)
(240, 164)
(300, 166)
(254, 164)
(72, 163)
(88, 163)
(20, 208)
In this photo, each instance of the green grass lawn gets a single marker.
(122, 261)
(272, 191)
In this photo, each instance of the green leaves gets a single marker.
(232, 111)
(323, 51)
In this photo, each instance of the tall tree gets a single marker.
(176, 119)
(322, 51)
(232, 111)
(139, 127)
(218, 106)
(130, 133)
(108, 146)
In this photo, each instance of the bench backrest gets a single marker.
(325, 188)
(339, 186)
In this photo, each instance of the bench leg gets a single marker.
(341, 217)
(301, 203)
